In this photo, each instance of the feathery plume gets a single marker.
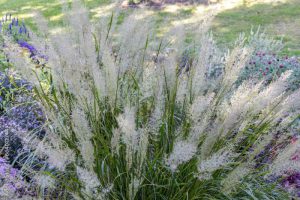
(183, 151)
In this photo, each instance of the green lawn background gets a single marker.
(281, 20)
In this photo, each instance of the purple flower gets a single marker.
(13, 180)
(28, 46)
(292, 181)
(34, 54)
(45, 57)
(2, 160)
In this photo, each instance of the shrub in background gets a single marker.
(269, 67)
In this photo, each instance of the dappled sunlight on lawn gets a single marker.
(104, 10)
(273, 2)
(56, 17)
(236, 15)
(278, 18)
(26, 15)
(30, 8)
(199, 12)
(3, 1)
(57, 30)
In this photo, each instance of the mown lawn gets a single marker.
(281, 20)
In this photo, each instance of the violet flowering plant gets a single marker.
(20, 113)
(21, 35)
(292, 183)
(18, 30)
(17, 103)
(28, 114)
(36, 57)
(12, 184)
(13, 138)
(24, 119)
(21, 139)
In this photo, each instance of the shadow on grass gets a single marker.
(51, 9)
(281, 21)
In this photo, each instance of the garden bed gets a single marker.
(101, 117)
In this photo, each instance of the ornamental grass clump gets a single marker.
(125, 120)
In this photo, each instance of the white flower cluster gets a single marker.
(218, 160)
(183, 151)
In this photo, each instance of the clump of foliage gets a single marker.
(11, 87)
(125, 125)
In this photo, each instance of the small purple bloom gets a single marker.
(28, 46)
